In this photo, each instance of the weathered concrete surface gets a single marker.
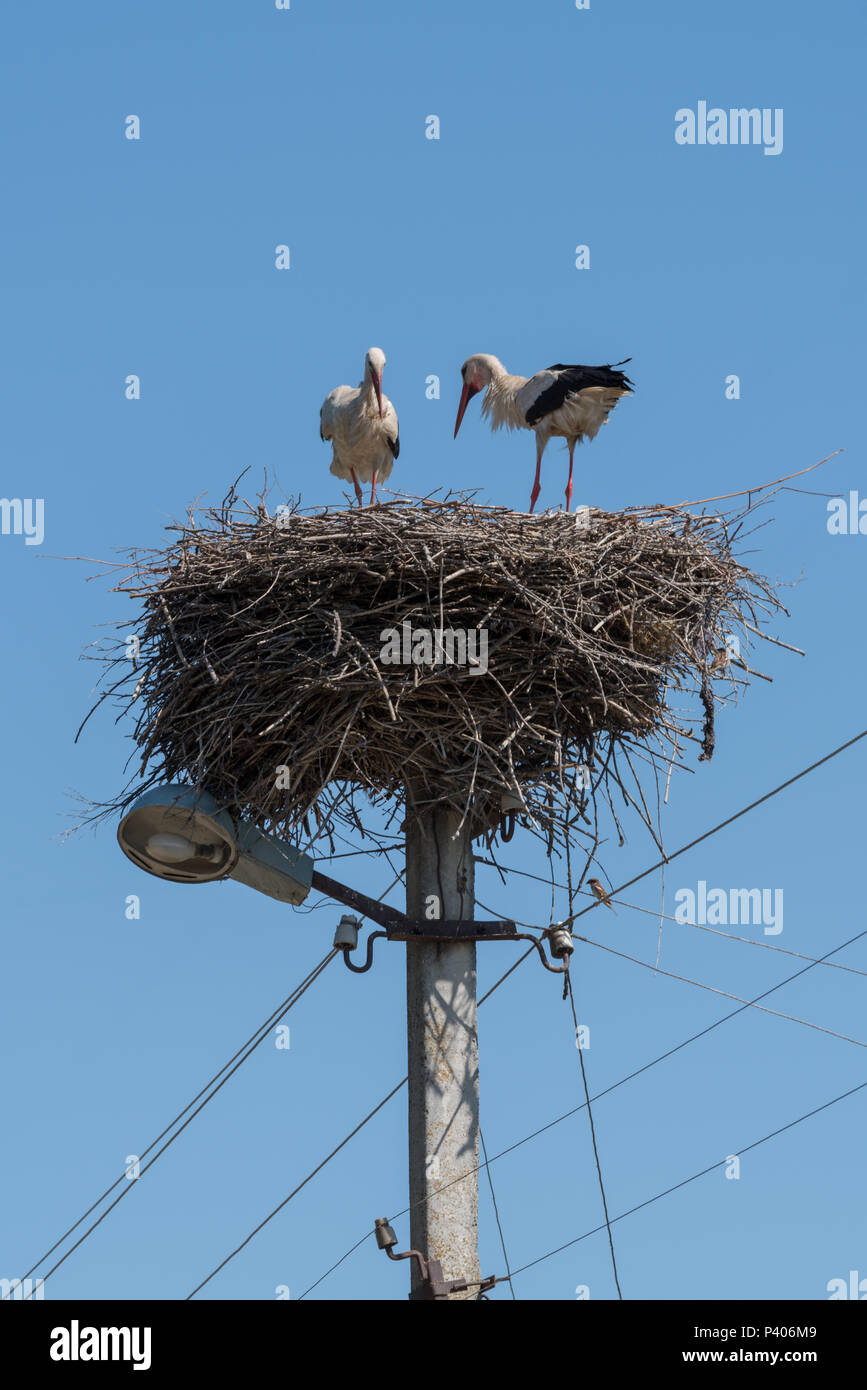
(443, 1052)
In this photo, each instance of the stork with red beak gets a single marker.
(566, 402)
(361, 424)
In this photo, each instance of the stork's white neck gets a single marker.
(499, 402)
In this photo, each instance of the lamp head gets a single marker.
(179, 834)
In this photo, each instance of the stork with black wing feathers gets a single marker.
(567, 402)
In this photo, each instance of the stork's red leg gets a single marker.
(357, 488)
(569, 483)
(537, 486)
(373, 490)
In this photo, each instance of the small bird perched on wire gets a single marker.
(600, 894)
(570, 403)
(361, 424)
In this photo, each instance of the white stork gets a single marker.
(568, 402)
(362, 425)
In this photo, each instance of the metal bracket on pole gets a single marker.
(380, 913)
(462, 931)
(398, 927)
(443, 930)
(434, 1285)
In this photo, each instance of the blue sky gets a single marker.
(155, 257)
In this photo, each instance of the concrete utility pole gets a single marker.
(443, 1048)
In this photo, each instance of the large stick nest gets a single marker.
(259, 645)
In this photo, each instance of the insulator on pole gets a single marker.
(561, 942)
(385, 1236)
(346, 934)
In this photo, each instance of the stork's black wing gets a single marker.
(569, 380)
(394, 445)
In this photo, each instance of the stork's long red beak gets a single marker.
(466, 396)
(377, 386)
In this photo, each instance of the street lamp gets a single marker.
(179, 834)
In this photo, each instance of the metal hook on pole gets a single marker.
(346, 940)
(433, 1283)
(560, 944)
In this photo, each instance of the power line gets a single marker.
(266, 1025)
(666, 859)
(592, 1132)
(660, 864)
(351, 1251)
(487, 1167)
(343, 1142)
(749, 1003)
(259, 1035)
(686, 1181)
(666, 917)
(306, 1180)
(745, 940)
(293, 999)
(647, 1066)
(250, 1046)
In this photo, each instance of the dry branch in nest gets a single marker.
(260, 649)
